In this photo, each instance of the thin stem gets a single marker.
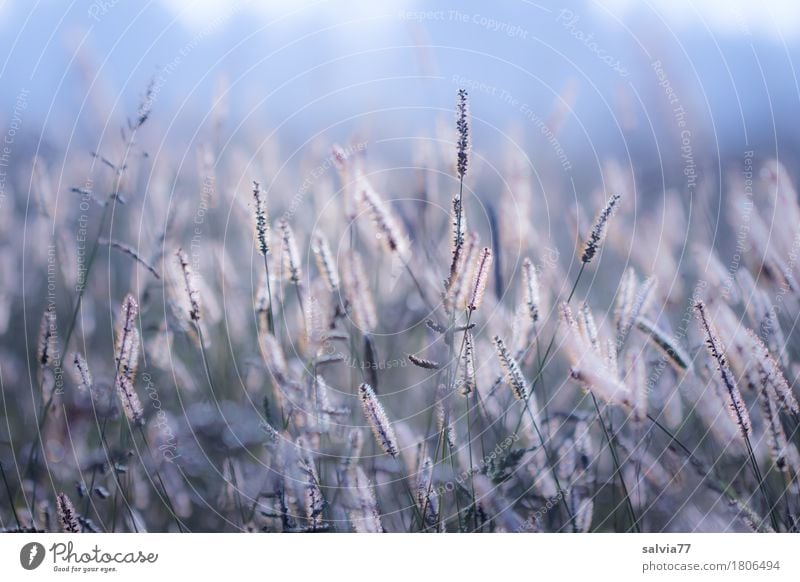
(471, 468)
(617, 469)
(761, 484)
(543, 361)
(270, 317)
(10, 498)
(698, 464)
(42, 416)
(552, 465)
(301, 304)
(160, 480)
(417, 284)
(94, 469)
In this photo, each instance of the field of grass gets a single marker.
(210, 349)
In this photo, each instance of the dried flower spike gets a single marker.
(129, 399)
(459, 230)
(189, 284)
(459, 225)
(325, 263)
(291, 256)
(47, 337)
(462, 125)
(511, 370)
(457, 285)
(736, 405)
(81, 372)
(127, 349)
(665, 343)
(423, 363)
(261, 218)
(427, 498)
(467, 381)
(131, 252)
(67, 514)
(480, 278)
(776, 437)
(531, 286)
(599, 229)
(387, 228)
(772, 377)
(376, 416)
(444, 416)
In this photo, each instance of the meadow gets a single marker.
(203, 345)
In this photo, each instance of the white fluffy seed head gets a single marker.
(290, 255)
(467, 381)
(462, 126)
(261, 218)
(599, 229)
(388, 229)
(378, 421)
(736, 405)
(129, 399)
(480, 278)
(47, 338)
(128, 339)
(511, 370)
(530, 282)
(189, 284)
(81, 373)
(325, 262)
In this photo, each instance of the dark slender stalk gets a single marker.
(761, 484)
(471, 468)
(617, 468)
(543, 361)
(94, 469)
(42, 416)
(10, 497)
(698, 464)
(551, 463)
(417, 284)
(161, 481)
(270, 317)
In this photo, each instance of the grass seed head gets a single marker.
(599, 229)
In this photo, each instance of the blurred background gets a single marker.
(586, 68)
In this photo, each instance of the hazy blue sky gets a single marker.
(308, 66)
